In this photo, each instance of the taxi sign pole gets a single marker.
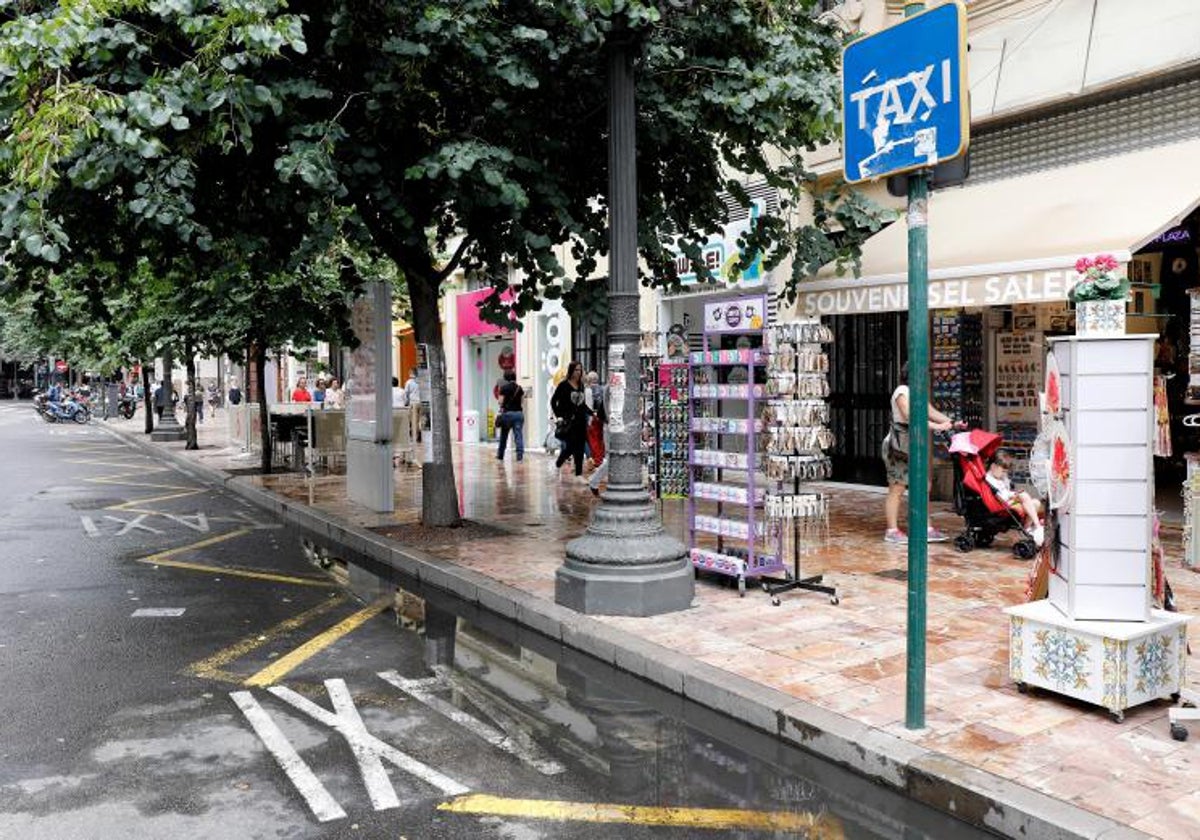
(918, 437)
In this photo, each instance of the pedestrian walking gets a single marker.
(895, 460)
(512, 415)
(301, 392)
(318, 393)
(335, 397)
(569, 405)
(412, 399)
(160, 400)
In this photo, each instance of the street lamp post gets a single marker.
(626, 563)
(168, 426)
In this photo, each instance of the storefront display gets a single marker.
(727, 389)
(957, 383)
(760, 430)
(1017, 381)
(672, 415)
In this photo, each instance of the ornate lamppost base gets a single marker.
(625, 564)
(168, 431)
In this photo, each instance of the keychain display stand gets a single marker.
(726, 496)
(796, 428)
(1096, 637)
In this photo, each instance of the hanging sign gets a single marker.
(744, 314)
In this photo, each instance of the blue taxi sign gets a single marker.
(905, 97)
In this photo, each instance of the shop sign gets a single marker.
(964, 292)
(720, 255)
(737, 315)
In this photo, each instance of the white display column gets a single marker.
(1103, 571)
(1096, 637)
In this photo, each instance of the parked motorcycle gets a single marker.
(126, 406)
(67, 410)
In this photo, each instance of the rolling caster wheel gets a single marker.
(775, 602)
(741, 587)
(833, 599)
(766, 586)
(1117, 717)
(964, 543)
(1175, 697)
(1022, 688)
(1179, 732)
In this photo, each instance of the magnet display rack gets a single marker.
(797, 436)
(671, 443)
(958, 368)
(729, 536)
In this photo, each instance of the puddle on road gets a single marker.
(635, 743)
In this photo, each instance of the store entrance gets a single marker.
(1166, 270)
(864, 368)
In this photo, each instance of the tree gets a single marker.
(478, 129)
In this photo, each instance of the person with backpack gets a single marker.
(512, 415)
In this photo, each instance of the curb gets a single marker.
(946, 784)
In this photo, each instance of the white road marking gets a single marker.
(319, 800)
(158, 612)
(368, 749)
(199, 522)
(89, 526)
(526, 752)
(130, 524)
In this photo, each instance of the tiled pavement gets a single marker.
(847, 658)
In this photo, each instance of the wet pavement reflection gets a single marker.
(636, 744)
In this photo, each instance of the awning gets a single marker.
(1017, 240)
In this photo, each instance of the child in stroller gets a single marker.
(984, 498)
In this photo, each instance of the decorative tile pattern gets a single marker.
(1181, 677)
(1152, 666)
(1016, 648)
(1061, 658)
(1100, 318)
(1115, 676)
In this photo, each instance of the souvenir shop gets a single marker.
(999, 283)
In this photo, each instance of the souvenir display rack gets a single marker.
(672, 413)
(797, 437)
(1193, 390)
(726, 472)
(648, 415)
(958, 367)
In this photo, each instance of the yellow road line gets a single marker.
(226, 571)
(118, 480)
(163, 558)
(180, 549)
(285, 664)
(211, 667)
(814, 826)
(146, 501)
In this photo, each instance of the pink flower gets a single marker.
(1082, 264)
(1106, 262)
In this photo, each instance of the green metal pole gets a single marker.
(918, 437)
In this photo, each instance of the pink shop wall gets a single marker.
(471, 324)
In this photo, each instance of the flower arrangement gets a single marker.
(1100, 280)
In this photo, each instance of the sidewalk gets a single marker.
(841, 668)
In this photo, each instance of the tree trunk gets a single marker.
(147, 396)
(264, 415)
(192, 442)
(439, 491)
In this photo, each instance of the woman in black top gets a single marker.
(570, 408)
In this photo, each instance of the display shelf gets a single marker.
(728, 357)
(723, 426)
(731, 564)
(721, 460)
(725, 527)
(727, 392)
(672, 420)
(724, 492)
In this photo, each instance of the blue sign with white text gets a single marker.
(905, 96)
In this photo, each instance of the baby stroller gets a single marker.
(984, 514)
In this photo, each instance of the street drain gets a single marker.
(893, 574)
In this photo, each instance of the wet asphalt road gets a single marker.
(117, 725)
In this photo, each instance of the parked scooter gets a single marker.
(126, 406)
(67, 410)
